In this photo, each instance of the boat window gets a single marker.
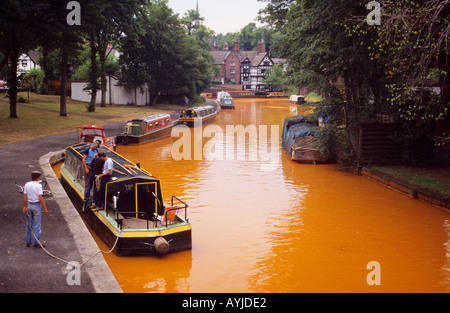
(163, 123)
(156, 124)
(150, 126)
(69, 163)
(168, 121)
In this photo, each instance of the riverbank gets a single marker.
(430, 185)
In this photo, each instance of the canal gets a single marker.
(262, 223)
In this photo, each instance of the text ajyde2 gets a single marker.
(232, 303)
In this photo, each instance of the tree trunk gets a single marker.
(13, 83)
(103, 79)
(93, 74)
(63, 91)
(45, 68)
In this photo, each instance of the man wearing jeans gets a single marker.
(33, 202)
(105, 177)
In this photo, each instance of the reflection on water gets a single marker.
(260, 226)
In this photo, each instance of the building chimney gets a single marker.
(262, 46)
(225, 46)
(216, 46)
(236, 46)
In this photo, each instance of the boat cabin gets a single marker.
(198, 112)
(92, 133)
(297, 99)
(143, 125)
(145, 129)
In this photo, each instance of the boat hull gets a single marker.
(303, 151)
(227, 107)
(192, 122)
(136, 140)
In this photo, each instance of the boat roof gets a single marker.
(151, 118)
(196, 109)
(90, 127)
(123, 168)
(293, 120)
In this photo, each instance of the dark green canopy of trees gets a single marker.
(362, 70)
(157, 49)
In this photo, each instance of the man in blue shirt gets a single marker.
(105, 177)
(88, 156)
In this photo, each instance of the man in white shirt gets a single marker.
(33, 202)
(105, 177)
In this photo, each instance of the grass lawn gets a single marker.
(437, 179)
(40, 117)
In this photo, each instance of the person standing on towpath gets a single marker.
(33, 202)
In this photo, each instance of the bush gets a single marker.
(33, 80)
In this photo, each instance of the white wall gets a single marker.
(118, 94)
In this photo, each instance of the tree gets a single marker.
(21, 23)
(276, 79)
(189, 21)
(324, 58)
(415, 46)
(164, 56)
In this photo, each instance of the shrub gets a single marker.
(33, 80)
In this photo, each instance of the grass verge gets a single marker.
(40, 116)
(436, 179)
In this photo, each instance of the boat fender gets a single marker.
(161, 245)
(87, 205)
(125, 140)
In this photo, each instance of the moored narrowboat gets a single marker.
(92, 133)
(297, 99)
(198, 115)
(298, 141)
(278, 94)
(225, 100)
(146, 129)
(135, 220)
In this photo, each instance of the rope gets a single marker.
(64, 261)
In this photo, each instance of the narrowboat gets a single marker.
(198, 115)
(297, 99)
(91, 133)
(278, 94)
(298, 138)
(146, 129)
(247, 94)
(225, 100)
(135, 220)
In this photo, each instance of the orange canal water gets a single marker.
(267, 224)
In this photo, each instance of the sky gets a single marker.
(222, 16)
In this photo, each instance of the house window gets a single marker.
(232, 64)
(232, 72)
